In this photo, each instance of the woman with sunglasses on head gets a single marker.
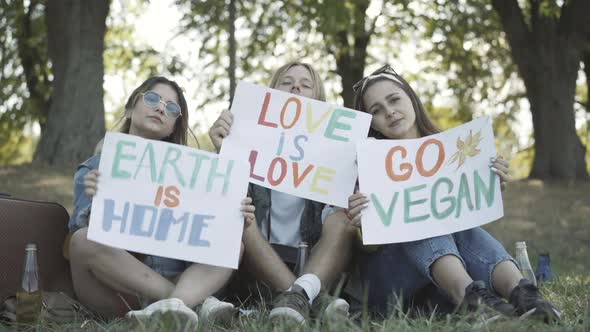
(102, 275)
(450, 262)
(284, 221)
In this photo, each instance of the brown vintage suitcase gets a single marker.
(42, 223)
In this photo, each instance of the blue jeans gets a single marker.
(399, 271)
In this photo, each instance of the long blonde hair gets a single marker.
(319, 92)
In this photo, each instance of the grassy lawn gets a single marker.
(551, 218)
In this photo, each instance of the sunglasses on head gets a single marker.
(153, 99)
(384, 71)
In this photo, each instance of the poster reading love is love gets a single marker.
(169, 200)
(296, 145)
(435, 185)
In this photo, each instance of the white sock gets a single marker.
(311, 284)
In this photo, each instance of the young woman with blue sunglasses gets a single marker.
(104, 276)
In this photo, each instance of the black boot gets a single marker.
(528, 301)
(478, 297)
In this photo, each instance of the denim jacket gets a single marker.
(81, 214)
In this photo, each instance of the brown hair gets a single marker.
(423, 123)
(319, 92)
(181, 128)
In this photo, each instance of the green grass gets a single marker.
(568, 293)
(550, 217)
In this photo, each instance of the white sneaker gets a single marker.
(337, 309)
(183, 315)
(329, 307)
(216, 311)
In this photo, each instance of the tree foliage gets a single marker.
(468, 50)
(472, 45)
(25, 77)
(346, 32)
(261, 29)
(333, 35)
(26, 74)
(127, 58)
(494, 53)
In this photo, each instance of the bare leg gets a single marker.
(264, 262)
(93, 293)
(505, 277)
(333, 251)
(199, 281)
(99, 272)
(451, 276)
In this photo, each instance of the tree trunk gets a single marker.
(232, 49)
(548, 56)
(587, 73)
(350, 71)
(586, 61)
(551, 88)
(559, 153)
(75, 121)
(351, 58)
(34, 61)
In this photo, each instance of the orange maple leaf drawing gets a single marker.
(467, 148)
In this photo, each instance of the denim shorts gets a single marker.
(400, 270)
(169, 268)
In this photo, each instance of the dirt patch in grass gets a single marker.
(550, 217)
(38, 183)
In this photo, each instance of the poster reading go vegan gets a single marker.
(296, 145)
(434, 185)
(169, 200)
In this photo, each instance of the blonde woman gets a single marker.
(284, 220)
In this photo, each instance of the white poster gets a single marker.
(296, 145)
(169, 200)
(435, 185)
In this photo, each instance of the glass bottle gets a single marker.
(522, 258)
(302, 253)
(29, 295)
